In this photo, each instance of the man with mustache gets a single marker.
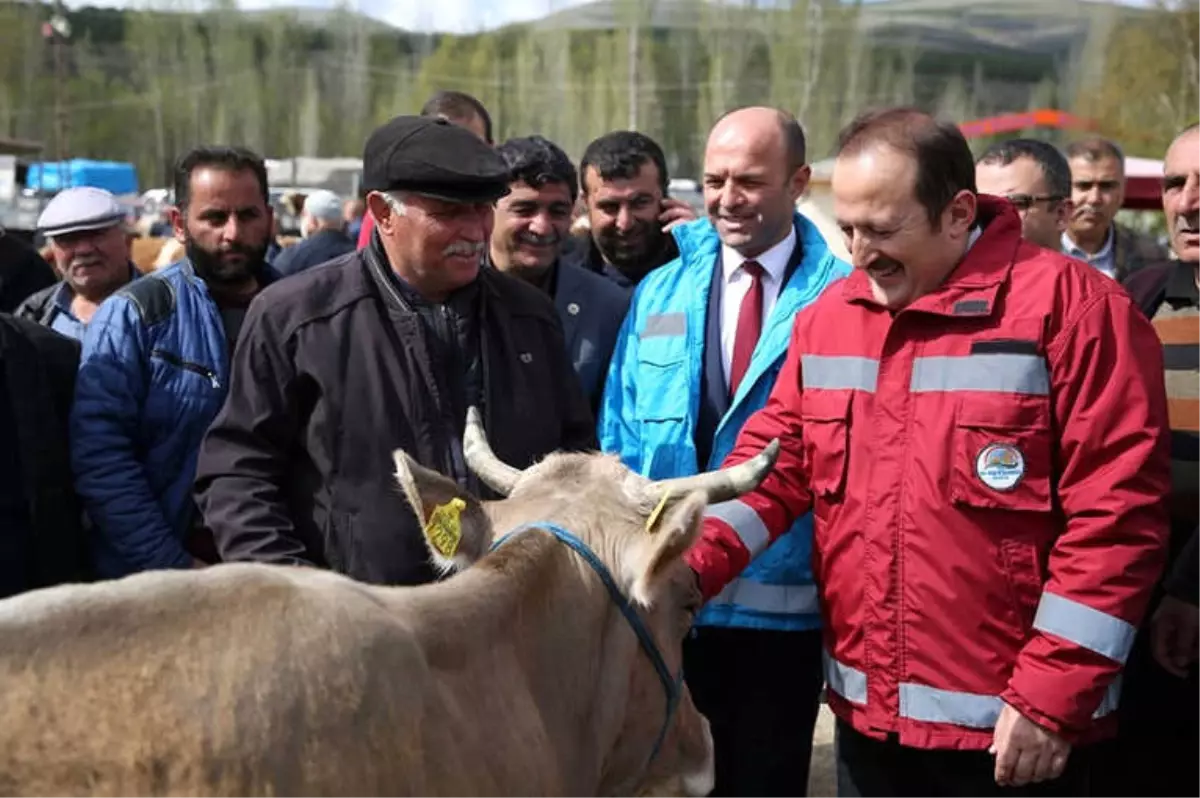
(1159, 724)
(155, 368)
(698, 353)
(384, 349)
(979, 428)
(1097, 193)
(629, 214)
(86, 230)
(531, 230)
(456, 107)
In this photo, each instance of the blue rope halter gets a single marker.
(673, 685)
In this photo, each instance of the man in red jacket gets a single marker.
(980, 429)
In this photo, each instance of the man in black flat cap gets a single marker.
(384, 349)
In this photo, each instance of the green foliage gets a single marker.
(144, 85)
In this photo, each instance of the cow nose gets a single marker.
(701, 781)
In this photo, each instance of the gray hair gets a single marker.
(395, 201)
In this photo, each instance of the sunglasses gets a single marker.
(1023, 202)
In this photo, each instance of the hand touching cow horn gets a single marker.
(722, 485)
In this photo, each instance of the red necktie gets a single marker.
(749, 326)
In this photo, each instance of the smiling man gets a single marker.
(629, 214)
(532, 227)
(978, 426)
(155, 368)
(698, 353)
(383, 349)
(90, 247)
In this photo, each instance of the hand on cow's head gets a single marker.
(470, 532)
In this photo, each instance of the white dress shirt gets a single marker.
(737, 283)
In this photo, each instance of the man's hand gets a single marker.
(1173, 635)
(675, 212)
(1025, 752)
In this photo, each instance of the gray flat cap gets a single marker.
(77, 209)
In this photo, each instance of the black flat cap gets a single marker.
(433, 157)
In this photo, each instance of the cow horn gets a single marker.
(722, 485)
(491, 470)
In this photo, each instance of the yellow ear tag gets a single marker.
(652, 521)
(444, 528)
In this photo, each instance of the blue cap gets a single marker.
(77, 209)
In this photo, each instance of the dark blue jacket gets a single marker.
(153, 374)
(591, 309)
(322, 246)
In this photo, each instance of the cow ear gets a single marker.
(457, 530)
(664, 540)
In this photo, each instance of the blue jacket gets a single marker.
(152, 376)
(591, 309)
(322, 246)
(652, 399)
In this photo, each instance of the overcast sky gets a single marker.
(459, 16)
(440, 15)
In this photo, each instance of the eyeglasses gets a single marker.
(1023, 202)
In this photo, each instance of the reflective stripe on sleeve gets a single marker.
(1084, 626)
(740, 517)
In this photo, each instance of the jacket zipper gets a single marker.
(195, 368)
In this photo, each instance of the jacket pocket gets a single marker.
(1003, 455)
(826, 440)
(662, 388)
(186, 365)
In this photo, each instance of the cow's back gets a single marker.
(239, 679)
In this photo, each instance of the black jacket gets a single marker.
(22, 272)
(332, 373)
(321, 246)
(39, 368)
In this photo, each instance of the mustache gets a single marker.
(1187, 223)
(883, 263)
(539, 240)
(89, 260)
(463, 248)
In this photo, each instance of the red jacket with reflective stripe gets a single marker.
(987, 469)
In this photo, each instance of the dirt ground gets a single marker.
(821, 774)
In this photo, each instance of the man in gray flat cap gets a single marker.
(90, 247)
(384, 349)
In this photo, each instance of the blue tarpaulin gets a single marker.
(52, 176)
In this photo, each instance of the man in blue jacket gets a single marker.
(532, 225)
(155, 365)
(699, 353)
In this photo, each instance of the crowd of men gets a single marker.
(979, 542)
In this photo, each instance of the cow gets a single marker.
(522, 672)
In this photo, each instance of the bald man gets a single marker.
(697, 355)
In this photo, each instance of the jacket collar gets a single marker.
(971, 287)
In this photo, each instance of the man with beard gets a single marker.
(978, 426)
(1159, 727)
(532, 224)
(629, 214)
(86, 230)
(1097, 193)
(698, 353)
(155, 368)
(385, 349)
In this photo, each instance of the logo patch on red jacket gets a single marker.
(1000, 466)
